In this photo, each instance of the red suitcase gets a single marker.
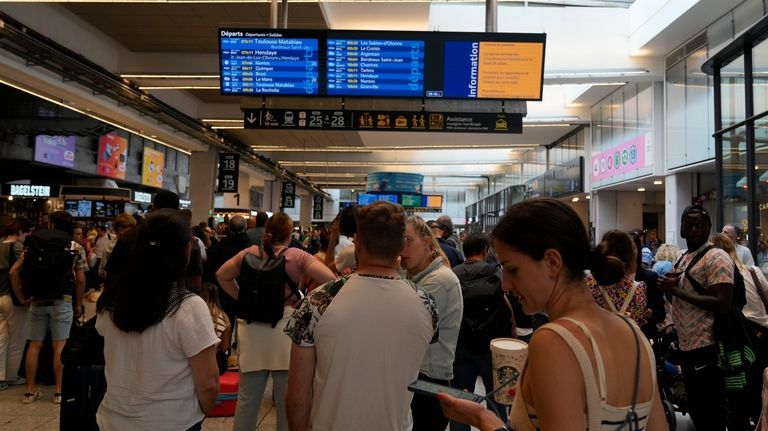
(227, 399)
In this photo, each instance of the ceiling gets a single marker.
(331, 159)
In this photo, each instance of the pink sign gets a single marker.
(622, 158)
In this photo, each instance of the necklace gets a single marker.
(386, 277)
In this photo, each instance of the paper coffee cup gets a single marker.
(508, 357)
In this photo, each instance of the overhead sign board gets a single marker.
(229, 170)
(356, 63)
(317, 207)
(404, 121)
(288, 194)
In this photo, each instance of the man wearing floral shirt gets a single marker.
(694, 316)
(359, 340)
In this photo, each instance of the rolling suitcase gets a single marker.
(82, 389)
(226, 402)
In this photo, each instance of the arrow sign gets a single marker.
(251, 118)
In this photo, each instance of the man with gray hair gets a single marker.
(233, 243)
(745, 255)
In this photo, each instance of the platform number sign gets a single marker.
(317, 207)
(288, 195)
(229, 169)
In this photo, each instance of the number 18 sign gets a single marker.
(229, 168)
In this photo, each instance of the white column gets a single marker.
(678, 195)
(305, 209)
(202, 174)
(272, 191)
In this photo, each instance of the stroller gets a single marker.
(668, 375)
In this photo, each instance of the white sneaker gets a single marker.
(30, 398)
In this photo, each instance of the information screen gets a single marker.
(262, 62)
(350, 63)
(371, 67)
(410, 200)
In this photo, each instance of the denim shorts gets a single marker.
(57, 316)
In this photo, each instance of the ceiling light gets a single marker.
(576, 199)
(658, 182)
(96, 117)
(641, 189)
(226, 127)
(221, 120)
(587, 197)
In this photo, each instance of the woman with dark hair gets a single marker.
(626, 296)
(264, 348)
(654, 296)
(159, 343)
(588, 368)
(428, 267)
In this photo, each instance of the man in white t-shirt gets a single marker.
(351, 364)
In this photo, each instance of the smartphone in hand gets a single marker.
(430, 389)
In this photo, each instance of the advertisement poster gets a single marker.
(113, 151)
(152, 168)
(55, 150)
(629, 156)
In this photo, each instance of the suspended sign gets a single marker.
(317, 207)
(229, 169)
(288, 195)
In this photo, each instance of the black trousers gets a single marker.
(755, 375)
(712, 407)
(426, 411)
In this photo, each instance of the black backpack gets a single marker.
(46, 272)
(262, 283)
(486, 313)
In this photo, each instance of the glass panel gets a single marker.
(734, 177)
(596, 130)
(607, 126)
(732, 92)
(676, 115)
(617, 117)
(720, 32)
(747, 14)
(761, 197)
(760, 76)
(700, 145)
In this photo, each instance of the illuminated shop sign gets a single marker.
(145, 198)
(27, 190)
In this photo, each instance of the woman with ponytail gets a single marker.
(588, 368)
(264, 349)
(159, 343)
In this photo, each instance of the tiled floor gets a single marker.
(43, 415)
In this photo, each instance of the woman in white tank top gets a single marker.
(581, 368)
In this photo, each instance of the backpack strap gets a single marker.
(696, 285)
(608, 299)
(292, 284)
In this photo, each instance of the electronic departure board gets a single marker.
(268, 63)
(370, 67)
(351, 63)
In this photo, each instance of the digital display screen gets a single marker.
(375, 67)
(79, 208)
(410, 200)
(99, 209)
(433, 201)
(268, 62)
(113, 208)
(405, 64)
(369, 198)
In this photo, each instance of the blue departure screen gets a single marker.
(268, 63)
(370, 67)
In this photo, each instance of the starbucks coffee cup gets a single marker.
(508, 357)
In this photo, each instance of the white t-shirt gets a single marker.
(346, 259)
(149, 379)
(369, 335)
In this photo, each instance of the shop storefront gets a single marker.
(740, 72)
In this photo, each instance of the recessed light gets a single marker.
(587, 197)
(658, 182)
(576, 199)
(641, 189)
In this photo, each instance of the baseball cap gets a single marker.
(695, 209)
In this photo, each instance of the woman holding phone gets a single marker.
(588, 368)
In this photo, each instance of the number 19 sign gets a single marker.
(229, 168)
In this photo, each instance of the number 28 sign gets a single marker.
(229, 168)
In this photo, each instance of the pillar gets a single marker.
(305, 210)
(677, 190)
(202, 181)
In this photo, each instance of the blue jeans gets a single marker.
(250, 392)
(466, 368)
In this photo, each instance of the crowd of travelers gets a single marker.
(377, 299)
